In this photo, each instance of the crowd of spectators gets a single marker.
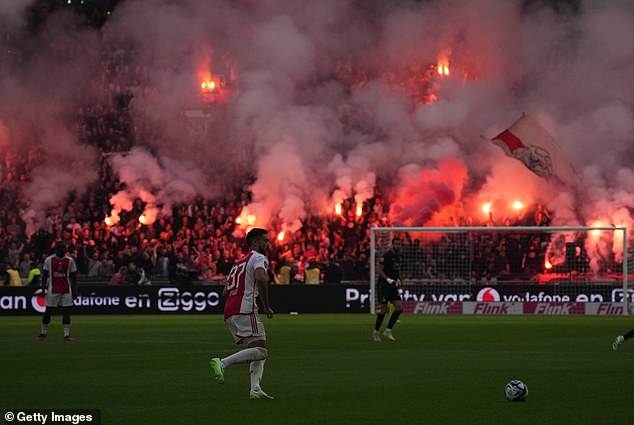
(198, 242)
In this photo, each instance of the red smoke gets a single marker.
(431, 191)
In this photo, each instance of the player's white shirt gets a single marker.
(59, 270)
(241, 288)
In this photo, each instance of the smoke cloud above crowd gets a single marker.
(332, 100)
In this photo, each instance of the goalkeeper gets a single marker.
(389, 271)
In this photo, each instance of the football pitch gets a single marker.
(325, 369)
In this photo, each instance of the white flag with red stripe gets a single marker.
(531, 144)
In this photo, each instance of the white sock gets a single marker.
(244, 356)
(44, 328)
(257, 369)
(66, 330)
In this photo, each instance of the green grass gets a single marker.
(324, 369)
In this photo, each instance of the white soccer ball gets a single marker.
(516, 390)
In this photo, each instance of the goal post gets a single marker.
(519, 269)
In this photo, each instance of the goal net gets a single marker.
(508, 270)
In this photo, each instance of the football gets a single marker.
(516, 390)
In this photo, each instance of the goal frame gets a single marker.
(375, 230)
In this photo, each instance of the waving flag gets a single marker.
(531, 144)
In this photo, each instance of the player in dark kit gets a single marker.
(389, 270)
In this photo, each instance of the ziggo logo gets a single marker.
(172, 299)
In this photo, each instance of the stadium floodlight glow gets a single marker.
(583, 266)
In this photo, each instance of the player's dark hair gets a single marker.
(255, 234)
(397, 238)
(60, 249)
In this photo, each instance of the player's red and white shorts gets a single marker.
(246, 328)
(59, 299)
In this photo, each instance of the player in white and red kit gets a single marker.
(247, 281)
(59, 277)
